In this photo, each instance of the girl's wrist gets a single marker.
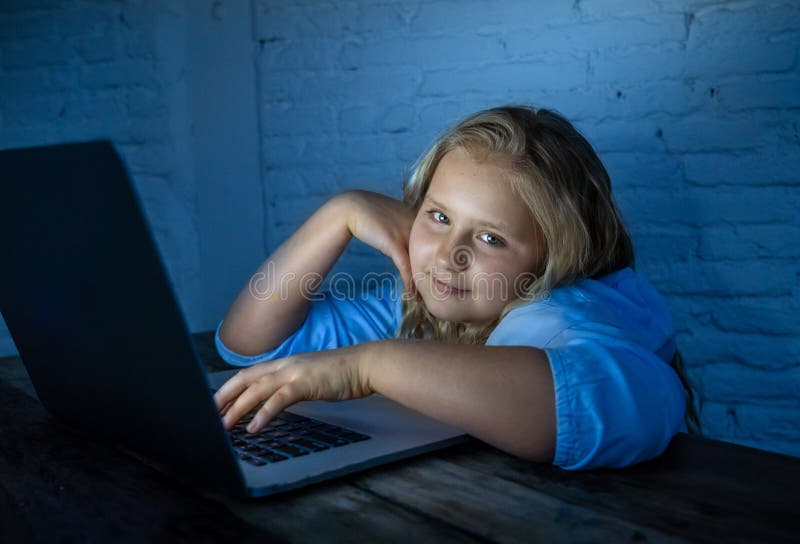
(343, 206)
(369, 362)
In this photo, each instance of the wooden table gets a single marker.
(59, 485)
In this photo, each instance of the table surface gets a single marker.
(57, 484)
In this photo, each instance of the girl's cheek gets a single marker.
(418, 242)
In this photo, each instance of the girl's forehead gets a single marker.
(477, 190)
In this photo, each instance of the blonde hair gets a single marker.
(558, 175)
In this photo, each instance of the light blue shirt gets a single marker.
(609, 343)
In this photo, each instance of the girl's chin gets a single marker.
(439, 309)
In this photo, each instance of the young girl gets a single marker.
(522, 321)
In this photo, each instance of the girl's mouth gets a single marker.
(444, 288)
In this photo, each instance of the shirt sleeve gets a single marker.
(334, 320)
(617, 402)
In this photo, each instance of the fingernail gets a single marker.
(251, 428)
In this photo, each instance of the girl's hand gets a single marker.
(383, 223)
(332, 375)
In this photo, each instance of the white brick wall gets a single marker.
(75, 71)
(693, 105)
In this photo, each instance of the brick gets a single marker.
(359, 119)
(768, 426)
(33, 110)
(743, 242)
(599, 10)
(410, 146)
(623, 135)
(549, 72)
(655, 245)
(746, 205)
(644, 170)
(740, 58)
(97, 48)
(724, 381)
(337, 87)
(354, 150)
(86, 19)
(472, 16)
(153, 160)
(704, 344)
(619, 34)
(708, 132)
(119, 74)
(82, 106)
(296, 182)
(709, 205)
(133, 16)
(62, 78)
(379, 18)
(724, 40)
(725, 279)
(637, 65)
(768, 316)
(34, 53)
(23, 82)
(277, 151)
(140, 44)
(777, 165)
(431, 52)
(292, 23)
(384, 177)
(309, 54)
(765, 91)
(294, 211)
(145, 103)
(15, 6)
(297, 120)
(153, 130)
(623, 102)
(398, 118)
(441, 116)
(14, 26)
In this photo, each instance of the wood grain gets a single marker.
(59, 484)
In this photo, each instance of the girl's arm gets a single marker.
(276, 299)
(502, 395)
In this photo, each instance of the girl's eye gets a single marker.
(491, 239)
(439, 217)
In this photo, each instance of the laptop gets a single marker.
(93, 314)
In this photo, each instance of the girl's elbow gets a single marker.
(537, 454)
(539, 447)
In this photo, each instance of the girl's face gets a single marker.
(474, 243)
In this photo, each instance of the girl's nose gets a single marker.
(454, 255)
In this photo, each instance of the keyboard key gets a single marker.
(287, 436)
(310, 445)
(356, 437)
(272, 456)
(290, 450)
(326, 439)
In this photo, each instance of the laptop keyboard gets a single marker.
(288, 435)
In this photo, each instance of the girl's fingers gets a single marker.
(241, 380)
(256, 392)
(403, 264)
(281, 399)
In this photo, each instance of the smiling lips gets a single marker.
(446, 288)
